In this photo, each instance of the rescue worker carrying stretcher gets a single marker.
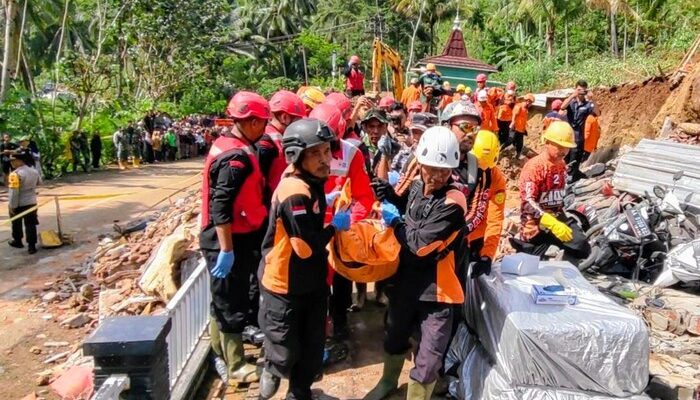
(232, 216)
(426, 286)
(542, 189)
(295, 265)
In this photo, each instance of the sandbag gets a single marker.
(367, 252)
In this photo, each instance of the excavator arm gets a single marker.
(381, 53)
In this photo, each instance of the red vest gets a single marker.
(280, 163)
(356, 80)
(249, 212)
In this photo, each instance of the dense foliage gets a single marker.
(97, 64)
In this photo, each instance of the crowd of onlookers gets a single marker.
(155, 138)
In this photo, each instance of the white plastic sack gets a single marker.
(593, 346)
(480, 380)
(681, 264)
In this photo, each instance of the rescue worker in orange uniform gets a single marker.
(347, 163)
(294, 267)
(480, 85)
(518, 127)
(485, 204)
(233, 213)
(424, 291)
(591, 136)
(504, 116)
(542, 189)
(411, 93)
(487, 111)
(354, 78)
(286, 107)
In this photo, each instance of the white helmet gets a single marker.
(438, 147)
(482, 95)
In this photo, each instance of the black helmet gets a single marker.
(304, 134)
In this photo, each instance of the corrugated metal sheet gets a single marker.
(654, 162)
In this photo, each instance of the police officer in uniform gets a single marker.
(294, 269)
(233, 213)
(426, 287)
(22, 183)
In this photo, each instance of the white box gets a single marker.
(541, 296)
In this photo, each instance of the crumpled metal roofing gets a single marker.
(653, 162)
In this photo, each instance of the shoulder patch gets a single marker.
(13, 181)
(499, 198)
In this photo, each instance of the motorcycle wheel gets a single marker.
(589, 261)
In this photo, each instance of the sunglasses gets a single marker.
(466, 127)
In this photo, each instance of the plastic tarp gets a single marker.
(480, 379)
(682, 264)
(593, 346)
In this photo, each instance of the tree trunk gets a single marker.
(613, 36)
(636, 30)
(9, 59)
(413, 39)
(566, 42)
(624, 42)
(550, 38)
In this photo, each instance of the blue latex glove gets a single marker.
(224, 263)
(394, 178)
(330, 197)
(390, 213)
(341, 220)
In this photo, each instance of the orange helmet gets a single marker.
(341, 101)
(355, 60)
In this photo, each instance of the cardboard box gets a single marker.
(541, 296)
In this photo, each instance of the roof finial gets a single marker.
(457, 23)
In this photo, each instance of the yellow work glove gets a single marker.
(558, 228)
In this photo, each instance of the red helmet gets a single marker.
(386, 102)
(355, 60)
(481, 78)
(556, 105)
(287, 102)
(416, 106)
(330, 114)
(248, 104)
(510, 85)
(342, 102)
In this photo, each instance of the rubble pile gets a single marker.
(107, 283)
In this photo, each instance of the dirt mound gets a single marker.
(626, 112)
(684, 105)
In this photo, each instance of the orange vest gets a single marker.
(591, 134)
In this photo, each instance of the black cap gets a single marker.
(376, 113)
(23, 155)
(423, 121)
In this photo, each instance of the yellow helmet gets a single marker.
(561, 133)
(468, 90)
(430, 67)
(312, 96)
(486, 148)
(461, 88)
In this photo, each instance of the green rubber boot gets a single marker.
(239, 370)
(389, 381)
(419, 391)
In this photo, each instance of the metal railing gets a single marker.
(189, 315)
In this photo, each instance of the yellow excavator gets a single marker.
(383, 54)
